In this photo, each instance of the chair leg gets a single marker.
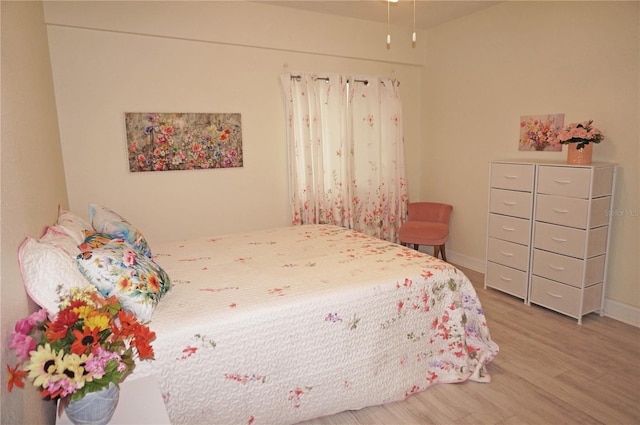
(444, 255)
(436, 251)
(416, 246)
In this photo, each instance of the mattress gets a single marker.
(283, 325)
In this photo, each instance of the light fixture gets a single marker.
(388, 25)
(413, 36)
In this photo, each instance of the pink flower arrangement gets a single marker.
(581, 133)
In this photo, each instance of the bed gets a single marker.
(283, 325)
(274, 326)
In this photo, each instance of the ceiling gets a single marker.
(429, 13)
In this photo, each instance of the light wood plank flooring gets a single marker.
(550, 370)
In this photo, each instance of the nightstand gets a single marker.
(140, 403)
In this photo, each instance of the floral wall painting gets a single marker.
(539, 132)
(183, 141)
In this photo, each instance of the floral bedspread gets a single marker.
(283, 325)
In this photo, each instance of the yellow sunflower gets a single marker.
(72, 367)
(43, 365)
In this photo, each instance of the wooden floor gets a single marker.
(550, 370)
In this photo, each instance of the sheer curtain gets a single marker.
(346, 152)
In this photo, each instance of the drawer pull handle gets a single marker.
(508, 229)
(506, 254)
(560, 211)
(562, 181)
(559, 268)
(510, 177)
(558, 239)
(554, 295)
(509, 202)
(505, 278)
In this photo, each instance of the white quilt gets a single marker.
(283, 325)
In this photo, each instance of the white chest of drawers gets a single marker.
(509, 227)
(568, 232)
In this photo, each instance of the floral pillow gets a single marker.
(94, 240)
(106, 221)
(119, 269)
(48, 269)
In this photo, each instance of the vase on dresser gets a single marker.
(580, 156)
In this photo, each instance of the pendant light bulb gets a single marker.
(413, 37)
(388, 25)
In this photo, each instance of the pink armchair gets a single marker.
(428, 224)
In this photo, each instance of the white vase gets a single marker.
(94, 408)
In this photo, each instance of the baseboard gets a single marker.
(466, 261)
(622, 312)
(616, 310)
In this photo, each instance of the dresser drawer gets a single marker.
(512, 176)
(563, 298)
(568, 270)
(506, 279)
(554, 295)
(565, 211)
(575, 182)
(572, 212)
(570, 241)
(564, 181)
(508, 254)
(510, 229)
(509, 202)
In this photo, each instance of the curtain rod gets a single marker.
(366, 82)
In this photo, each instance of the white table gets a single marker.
(140, 403)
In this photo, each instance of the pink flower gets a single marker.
(38, 317)
(581, 133)
(22, 344)
(23, 326)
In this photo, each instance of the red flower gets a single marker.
(142, 341)
(85, 341)
(64, 321)
(15, 377)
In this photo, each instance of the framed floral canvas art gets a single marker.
(539, 132)
(183, 141)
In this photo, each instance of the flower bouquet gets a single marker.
(581, 133)
(90, 344)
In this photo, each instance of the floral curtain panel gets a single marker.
(346, 152)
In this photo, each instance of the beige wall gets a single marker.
(199, 57)
(32, 178)
(523, 58)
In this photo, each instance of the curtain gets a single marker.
(346, 152)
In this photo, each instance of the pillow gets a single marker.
(119, 269)
(76, 226)
(58, 236)
(48, 271)
(106, 221)
(93, 241)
